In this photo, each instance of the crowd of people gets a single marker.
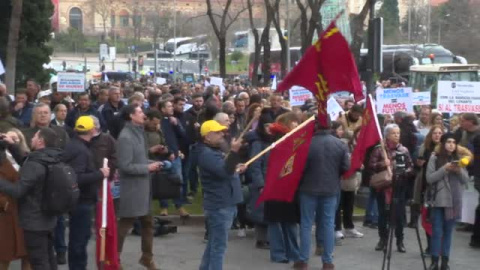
(204, 135)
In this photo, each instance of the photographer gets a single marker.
(444, 196)
(12, 247)
(399, 161)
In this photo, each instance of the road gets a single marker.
(183, 251)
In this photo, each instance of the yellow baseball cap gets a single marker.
(84, 123)
(211, 126)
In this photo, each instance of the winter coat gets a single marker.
(74, 114)
(60, 131)
(89, 177)
(256, 172)
(111, 116)
(220, 182)
(132, 166)
(12, 246)
(328, 158)
(103, 146)
(439, 179)
(28, 191)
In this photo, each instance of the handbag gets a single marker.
(166, 185)
(352, 183)
(381, 179)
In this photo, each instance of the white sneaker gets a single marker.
(242, 233)
(339, 235)
(353, 233)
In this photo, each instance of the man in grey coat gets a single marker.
(134, 171)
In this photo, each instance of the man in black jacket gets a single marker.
(111, 109)
(84, 107)
(37, 226)
(80, 158)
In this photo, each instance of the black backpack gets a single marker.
(60, 192)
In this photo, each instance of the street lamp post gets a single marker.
(174, 39)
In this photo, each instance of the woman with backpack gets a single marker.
(445, 176)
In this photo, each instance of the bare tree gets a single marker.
(157, 20)
(309, 25)
(357, 26)
(104, 9)
(12, 45)
(256, 40)
(265, 42)
(221, 26)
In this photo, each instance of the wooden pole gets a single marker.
(273, 145)
(245, 130)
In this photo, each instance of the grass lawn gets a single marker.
(240, 67)
(196, 208)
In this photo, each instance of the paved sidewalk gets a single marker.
(183, 251)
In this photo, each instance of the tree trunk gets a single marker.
(358, 30)
(281, 38)
(258, 48)
(265, 41)
(222, 44)
(12, 45)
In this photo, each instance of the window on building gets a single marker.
(76, 19)
(124, 17)
(137, 20)
(112, 20)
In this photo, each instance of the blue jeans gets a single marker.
(371, 213)
(218, 222)
(59, 235)
(80, 231)
(177, 169)
(283, 241)
(320, 209)
(442, 231)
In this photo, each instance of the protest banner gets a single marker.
(333, 108)
(391, 100)
(458, 97)
(71, 82)
(161, 81)
(421, 98)
(219, 82)
(298, 95)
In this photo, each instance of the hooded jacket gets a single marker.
(29, 190)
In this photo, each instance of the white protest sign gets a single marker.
(103, 51)
(2, 68)
(469, 203)
(334, 109)
(161, 80)
(113, 53)
(219, 82)
(187, 107)
(458, 97)
(391, 100)
(298, 95)
(106, 78)
(274, 83)
(421, 98)
(70, 82)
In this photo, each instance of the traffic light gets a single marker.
(375, 42)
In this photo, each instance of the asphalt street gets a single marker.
(183, 251)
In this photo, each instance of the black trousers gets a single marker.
(384, 212)
(345, 210)
(476, 225)
(40, 246)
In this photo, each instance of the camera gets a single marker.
(400, 163)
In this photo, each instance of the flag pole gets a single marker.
(245, 130)
(273, 145)
(382, 141)
(103, 227)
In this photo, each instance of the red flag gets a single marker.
(112, 261)
(369, 136)
(285, 165)
(326, 67)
